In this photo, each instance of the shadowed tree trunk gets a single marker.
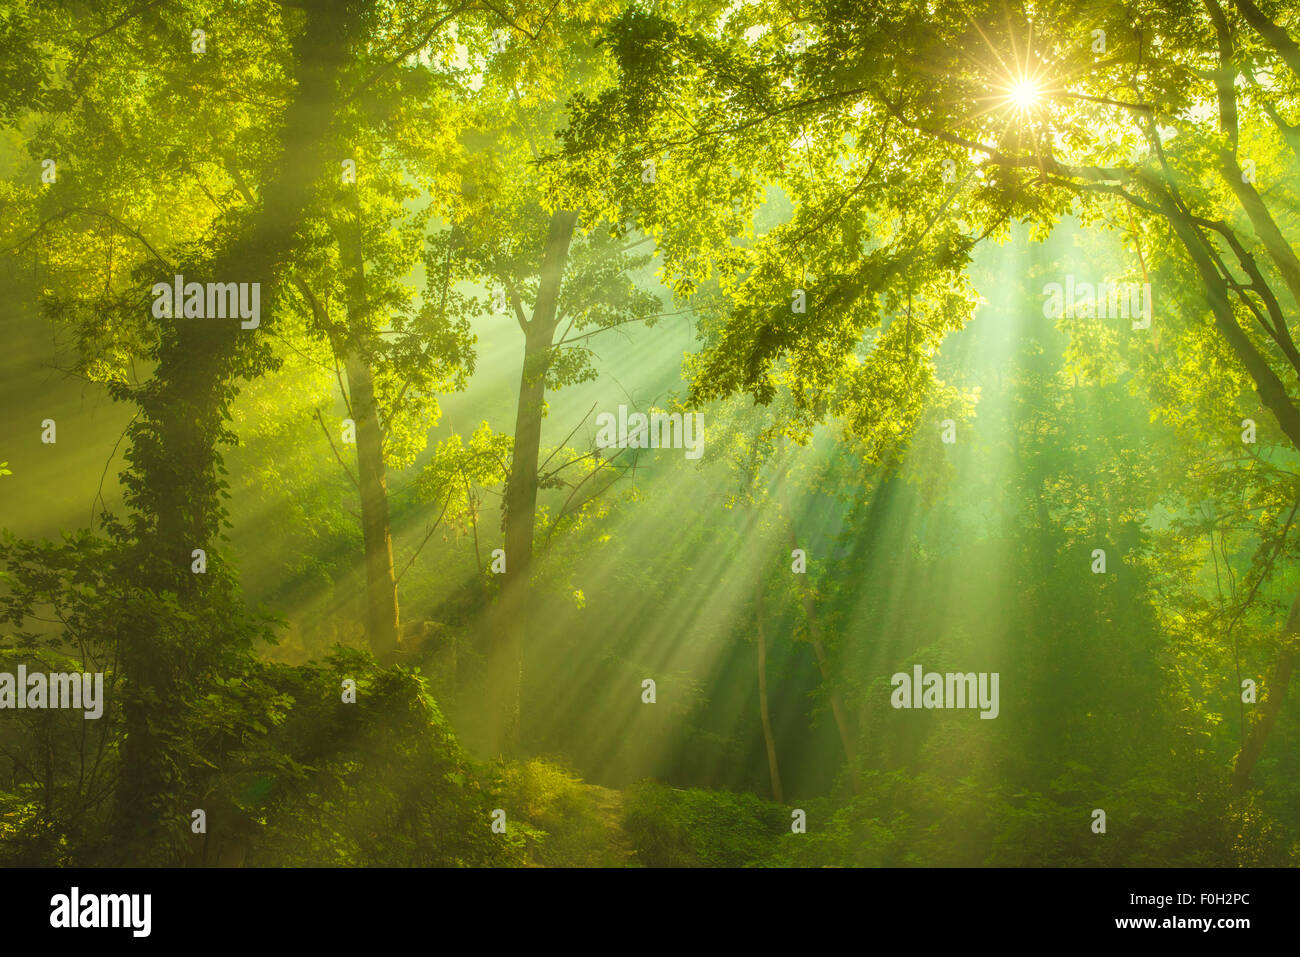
(506, 643)
(1270, 31)
(382, 615)
(173, 484)
(1275, 687)
(838, 711)
(381, 583)
(768, 738)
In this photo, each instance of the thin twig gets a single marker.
(330, 440)
(433, 529)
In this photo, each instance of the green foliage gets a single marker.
(818, 189)
(671, 827)
(904, 821)
(286, 771)
(381, 782)
(558, 815)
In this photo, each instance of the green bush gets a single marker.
(698, 828)
(557, 814)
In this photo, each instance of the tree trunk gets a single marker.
(1275, 689)
(1276, 398)
(1269, 387)
(382, 624)
(506, 649)
(381, 583)
(768, 738)
(1279, 250)
(173, 485)
(1270, 31)
(838, 711)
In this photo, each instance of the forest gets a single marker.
(599, 433)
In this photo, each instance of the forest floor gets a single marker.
(608, 804)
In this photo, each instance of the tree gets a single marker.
(369, 231)
(894, 178)
(174, 484)
(561, 288)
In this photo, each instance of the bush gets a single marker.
(698, 828)
(557, 814)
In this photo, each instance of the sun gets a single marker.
(1022, 92)
(1025, 95)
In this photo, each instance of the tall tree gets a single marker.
(370, 231)
(897, 164)
(560, 284)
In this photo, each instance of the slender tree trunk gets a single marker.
(1270, 31)
(376, 532)
(383, 624)
(838, 711)
(1270, 388)
(768, 738)
(382, 616)
(1275, 689)
(521, 489)
(1266, 228)
(506, 650)
(1276, 398)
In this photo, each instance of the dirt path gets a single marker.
(609, 805)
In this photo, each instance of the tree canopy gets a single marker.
(650, 433)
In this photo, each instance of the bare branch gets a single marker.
(330, 440)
